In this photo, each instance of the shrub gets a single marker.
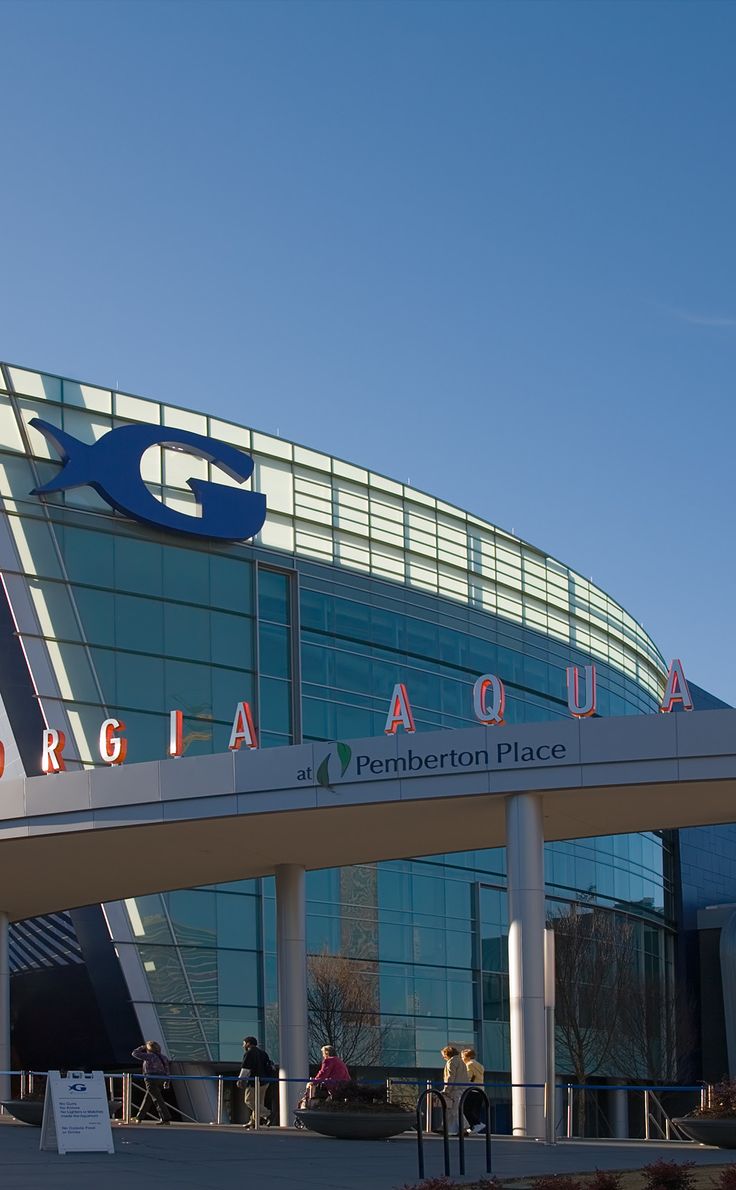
(449, 1184)
(722, 1104)
(669, 1175)
(727, 1178)
(431, 1184)
(606, 1179)
(360, 1107)
(559, 1181)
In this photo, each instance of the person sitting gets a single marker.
(332, 1077)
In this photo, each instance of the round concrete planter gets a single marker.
(28, 1111)
(721, 1133)
(346, 1125)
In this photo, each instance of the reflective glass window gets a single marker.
(138, 566)
(238, 977)
(238, 924)
(273, 596)
(274, 650)
(231, 584)
(275, 706)
(192, 913)
(231, 639)
(88, 556)
(139, 624)
(187, 574)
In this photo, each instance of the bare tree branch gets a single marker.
(343, 1007)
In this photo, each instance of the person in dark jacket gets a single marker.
(157, 1065)
(256, 1064)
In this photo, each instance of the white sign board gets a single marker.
(76, 1113)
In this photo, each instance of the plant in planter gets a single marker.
(29, 1109)
(714, 1124)
(356, 1113)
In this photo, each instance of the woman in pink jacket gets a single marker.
(333, 1074)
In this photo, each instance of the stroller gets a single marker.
(313, 1092)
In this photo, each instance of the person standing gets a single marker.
(453, 1078)
(256, 1064)
(156, 1068)
(474, 1104)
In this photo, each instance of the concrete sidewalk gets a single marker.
(202, 1158)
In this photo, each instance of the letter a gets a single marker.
(578, 709)
(492, 714)
(399, 714)
(52, 756)
(676, 690)
(243, 731)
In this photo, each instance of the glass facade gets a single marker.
(355, 583)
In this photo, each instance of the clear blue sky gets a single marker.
(485, 246)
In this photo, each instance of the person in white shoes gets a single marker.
(474, 1107)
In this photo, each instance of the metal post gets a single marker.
(620, 1113)
(257, 1094)
(549, 1022)
(525, 864)
(429, 1106)
(702, 1098)
(291, 954)
(24, 1084)
(220, 1100)
(646, 1115)
(389, 1086)
(5, 1064)
(568, 1130)
(126, 1098)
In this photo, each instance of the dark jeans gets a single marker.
(474, 1109)
(155, 1093)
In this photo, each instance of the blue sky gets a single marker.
(487, 247)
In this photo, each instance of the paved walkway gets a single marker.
(202, 1158)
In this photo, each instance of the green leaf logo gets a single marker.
(344, 755)
(323, 772)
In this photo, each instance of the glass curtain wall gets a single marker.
(356, 583)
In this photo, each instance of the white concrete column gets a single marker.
(4, 1007)
(525, 863)
(291, 955)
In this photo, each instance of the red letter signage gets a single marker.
(112, 749)
(489, 713)
(399, 713)
(243, 731)
(579, 709)
(676, 690)
(52, 755)
(176, 730)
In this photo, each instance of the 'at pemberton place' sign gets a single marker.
(489, 702)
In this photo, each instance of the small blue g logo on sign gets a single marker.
(112, 466)
(78, 1087)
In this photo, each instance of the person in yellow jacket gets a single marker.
(453, 1078)
(474, 1107)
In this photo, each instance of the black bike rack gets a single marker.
(426, 1095)
(461, 1130)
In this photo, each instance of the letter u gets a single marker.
(581, 710)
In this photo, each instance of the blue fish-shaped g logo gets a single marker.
(112, 466)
